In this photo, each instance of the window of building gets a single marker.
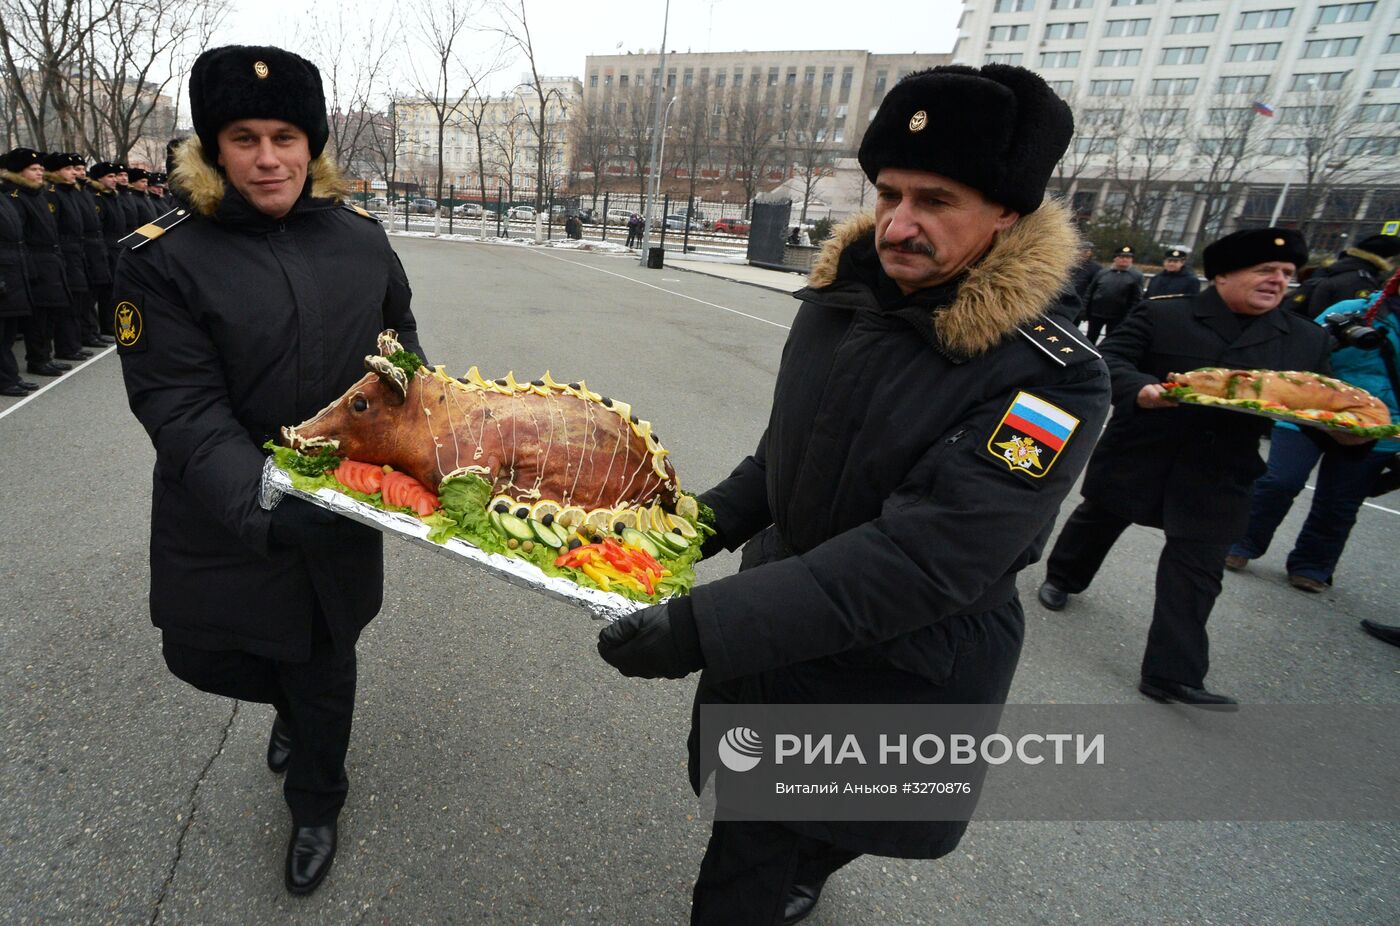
(1101, 116)
(1071, 4)
(1285, 147)
(847, 75)
(607, 80)
(1013, 6)
(1066, 30)
(1120, 57)
(1251, 83)
(1084, 145)
(1110, 87)
(1383, 80)
(1330, 81)
(880, 77)
(1306, 115)
(828, 78)
(1393, 45)
(1184, 55)
(1059, 59)
(622, 82)
(838, 136)
(841, 111)
(1131, 2)
(1009, 58)
(1265, 19)
(670, 80)
(791, 77)
(1009, 33)
(1377, 146)
(1164, 117)
(719, 80)
(1173, 86)
(772, 77)
(809, 77)
(1153, 146)
(1262, 51)
(738, 79)
(1190, 25)
(688, 79)
(1229, 147)
(1330, 48)
(1344, 13)
(1378, 112)
(1061, 88)
(593, 80)
(1125, 27)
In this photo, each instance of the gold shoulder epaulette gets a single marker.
(359, 210)
(1060, 343)
(155, 228)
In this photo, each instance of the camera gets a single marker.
(1347, 329)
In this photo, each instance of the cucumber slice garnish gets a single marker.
(516, 527)
(545, 534)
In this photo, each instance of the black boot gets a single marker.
(1052, 597)
(1160, 689)
(801, 901)
(309, 857)
(279, 746)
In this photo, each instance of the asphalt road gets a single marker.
(500, 772)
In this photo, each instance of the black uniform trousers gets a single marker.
(87, 317)
(9, 368)
(749, 869)
(1189, 573)
(38, 335)
(316, 698)
(67, 325)
(1101, 325)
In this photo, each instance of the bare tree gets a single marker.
(508, 146)
(1153, 137)
(813, 156)
(352, 53)
(472, 111)
(1097, 129)
(439, 25)
(636, 128)
(1314, 134)
(1232, 138)
(594, 140)
(516, 29)
(40, 43)
(751, 127)
(694, 132)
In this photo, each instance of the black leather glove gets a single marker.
(655, 642)
(296, 523)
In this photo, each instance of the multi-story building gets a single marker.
(757, 116)
(1194, 117)
(510, 143)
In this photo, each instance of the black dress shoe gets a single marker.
(26, 384)
(14, 389)
(1052, 597)
(801, 901)
(1389, 633)
(309, 857)
(279, 746)
(46, 369)
(79, 357)
(96, 344)
(1159, 689)
(63, 367)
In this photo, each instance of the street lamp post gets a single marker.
(656, 174)
(655, 130)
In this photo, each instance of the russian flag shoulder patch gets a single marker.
(1030, 436)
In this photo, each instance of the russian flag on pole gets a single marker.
(1040, 420)
(1262, 108)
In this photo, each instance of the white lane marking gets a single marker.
(58, 379)
(663, 289)
(1367, 504)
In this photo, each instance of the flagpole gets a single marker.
(1278, 206)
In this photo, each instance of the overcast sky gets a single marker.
(565, 31)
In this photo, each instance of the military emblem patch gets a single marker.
(128, 325)
(1030, 435)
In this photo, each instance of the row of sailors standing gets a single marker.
(61, 222)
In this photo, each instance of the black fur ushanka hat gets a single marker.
(1250, 246)
(999, 129)
(256, 82)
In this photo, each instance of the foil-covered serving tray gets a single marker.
(1376, 432)
(606, 606)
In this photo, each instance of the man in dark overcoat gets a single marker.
(252, 309)
(1186, 469)
(102, 181)
(897, 491)
(99, 266)
(60, 172)
(1113, 293)
(142, 208)
(1084, 273)
(1176, 278)
(15, 307)
(1357, 272)
(23, 181)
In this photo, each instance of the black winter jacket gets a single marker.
(231, 325)
(68, 200)
(1189, 469)
(1353, 275)
(887, 518)
(99, 265)
(48, 284)
(14, 287)
(1183, 282)
(1113, 294)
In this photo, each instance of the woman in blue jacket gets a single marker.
(1347, 474)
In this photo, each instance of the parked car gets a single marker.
(586, 215)
(678, 223)
(468, 211)
(521, 213)
(377, 204)
(422, 206)
(619, 216)
(732, 226)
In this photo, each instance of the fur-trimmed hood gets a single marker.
(98, 187)
(21, 180)
(57, 179)
(1375, 260)
(202, 184)
(1023, 275)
